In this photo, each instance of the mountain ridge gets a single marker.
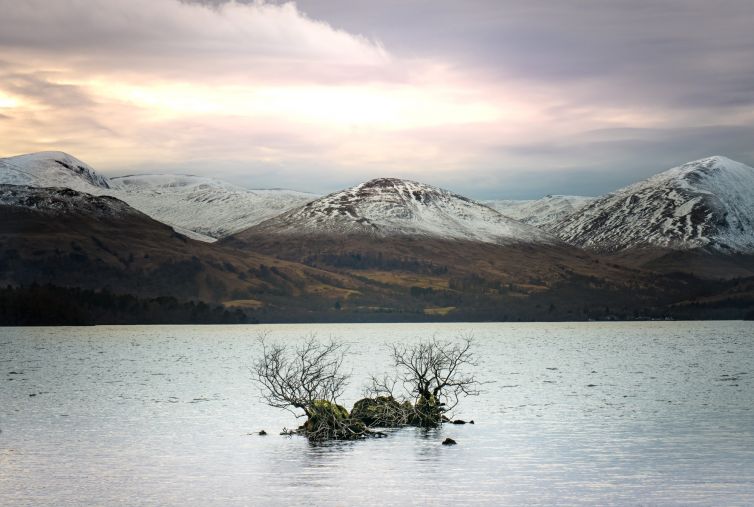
(200, 207)
(544, 212)
(701, 204)
(387, 249)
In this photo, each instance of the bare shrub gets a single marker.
(433, 374)
(307, 380)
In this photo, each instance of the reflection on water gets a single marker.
(627, 413)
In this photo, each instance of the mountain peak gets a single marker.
(384, 207)
(384, 183)
(395, 185)
(705, 203)
(714, 159)
(705, 167)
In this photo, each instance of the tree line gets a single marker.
(50, 305)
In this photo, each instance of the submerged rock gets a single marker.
(449, 441)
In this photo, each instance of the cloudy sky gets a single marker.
(508, 99)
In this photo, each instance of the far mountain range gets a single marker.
(677, 245)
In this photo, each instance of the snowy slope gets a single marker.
(204, 205)
(544, 212)
(708, 203)
(201, 208)
(51, 169)
(393, 207)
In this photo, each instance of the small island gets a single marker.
(427, 382)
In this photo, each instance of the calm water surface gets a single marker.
(587, 413)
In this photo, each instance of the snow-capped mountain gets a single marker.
(51, 169)
(393, 207)
(201, 208)
(204, 205)
(708, 203)
(544, 212)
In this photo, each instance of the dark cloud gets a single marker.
(40, 88)
(681, 53)
(677, 53)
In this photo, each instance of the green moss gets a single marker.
(329, 420)
(329, 409)
(325, 414)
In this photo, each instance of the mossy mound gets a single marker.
(330, 421)
(386, 412)
(330, 408)
(325, 413)
(382, 411)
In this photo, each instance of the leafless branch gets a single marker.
(294, 377)
(435, 374)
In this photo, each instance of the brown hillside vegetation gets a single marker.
(448, 279)
(127, 252)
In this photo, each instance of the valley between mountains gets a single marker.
(79, 247)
